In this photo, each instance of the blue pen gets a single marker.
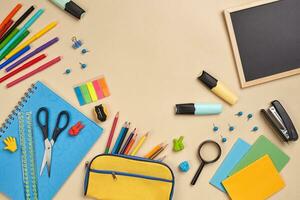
(118, 141)
(22, 30)
(14, 57)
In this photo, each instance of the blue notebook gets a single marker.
(68, 151)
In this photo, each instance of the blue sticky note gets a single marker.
(79, 96)
(238, 150)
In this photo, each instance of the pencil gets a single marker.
(32, 39)
(31, 54)
(22, 30)
(139, 144)
(6, 27)
(122, 138)
(158, 152)
(112, 131)
(10, 15)
(23, 67)
(17, 23)
(127, 141)
(153, 151)
(128, 148)
(161, 158)
(119, 138)
(37, 70)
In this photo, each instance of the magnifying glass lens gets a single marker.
(209, 152)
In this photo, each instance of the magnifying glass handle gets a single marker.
(197, 174)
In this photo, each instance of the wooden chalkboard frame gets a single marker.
(243, 82)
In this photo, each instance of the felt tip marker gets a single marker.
(70, 6)
(198, 109)
(218, 88)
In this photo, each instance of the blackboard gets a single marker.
(265, 38)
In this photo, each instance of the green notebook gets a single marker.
(261, 147)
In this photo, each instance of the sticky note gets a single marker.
(92, 91)
(238, 150)
(104, 87)
(79, 96)
(85, 93)
(257, 181)
(261, 147)
(98, 90)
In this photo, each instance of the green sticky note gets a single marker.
(85, 93)
(16, 43)
(8, 38)
(261, 147)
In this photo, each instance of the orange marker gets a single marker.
(128, 148)
(153, 151)
(10, 15)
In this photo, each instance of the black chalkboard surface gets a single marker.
(265, 38)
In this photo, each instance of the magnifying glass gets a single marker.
(209, 152)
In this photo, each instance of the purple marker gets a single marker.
(36, 51)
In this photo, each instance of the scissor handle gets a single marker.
(44, 127)
(57, 129)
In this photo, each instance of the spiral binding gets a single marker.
(17, 109)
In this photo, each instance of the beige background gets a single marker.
(151, 53)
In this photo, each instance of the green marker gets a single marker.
(11, 35)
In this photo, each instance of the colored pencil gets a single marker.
(153, 151)
(114, 150)
(14, 44)
(17, 23)
(6, 27)
(161, 158)
(39, 69)
(127, 141)
(158, 152)
(31, 54)
(121, 138)
(17, 55)
(8, 38)
(128, 148)
(22, 30)
(10, 15)
(112, 131)
(32, 39)
(139, 144)
(23, 67)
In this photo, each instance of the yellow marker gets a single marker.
(92, 91)
(218, 88)
(153, 151)
(139, 145)
(32, 39)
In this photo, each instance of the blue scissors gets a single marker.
(56, 132)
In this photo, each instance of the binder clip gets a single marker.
(76, 43)
(281, 121)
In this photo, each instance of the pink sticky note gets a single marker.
(98, 89)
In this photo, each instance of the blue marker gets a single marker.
(22, 30)
(14, 57)
(198, 109)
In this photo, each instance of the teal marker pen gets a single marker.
(198, 109)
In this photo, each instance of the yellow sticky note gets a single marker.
(92, 91)
(258, 181)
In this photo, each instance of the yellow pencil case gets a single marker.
(122, 177)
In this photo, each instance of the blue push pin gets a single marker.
(254, 129)
(76, 43)
(239, 114)
(83, 66)
(184, 166)
(231, 128)
(215, 128)
(249, 116)
(224, 139)
(68, 71)
(84, 51)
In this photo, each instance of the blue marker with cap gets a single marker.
(198, 109)
(22, 30)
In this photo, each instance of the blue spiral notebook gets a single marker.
(68, 151)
